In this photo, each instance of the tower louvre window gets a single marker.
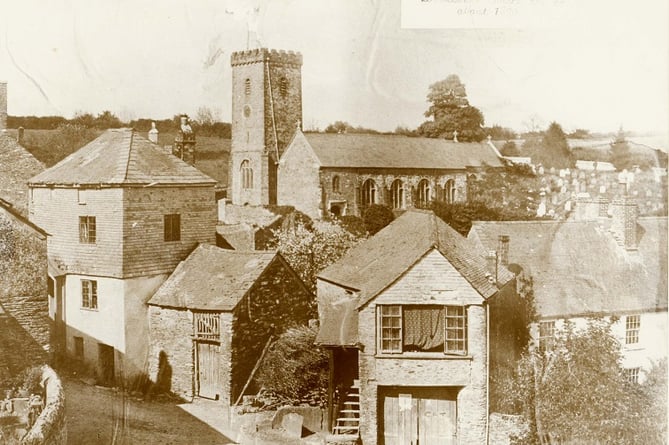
(247, 86)
(283, 87)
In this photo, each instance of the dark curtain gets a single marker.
(423, 328)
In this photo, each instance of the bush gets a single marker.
(354, 225)
(294, 368)
(376, 217)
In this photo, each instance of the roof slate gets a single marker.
(121, 157)
(17, 166)
(212, 278)
(578, 268)
(395, 151)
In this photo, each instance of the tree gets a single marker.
(550, 148)
(577, 392)
(376, 217)
(106, 120)
(450, 112)
(338, 127)
(499, 133)
(310, 249)
(510, 149)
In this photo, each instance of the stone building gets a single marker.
(121, 214)
(273, 162)
(595, 266)
(409, 334)
(211, 320)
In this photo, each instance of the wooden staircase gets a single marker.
(348, 418)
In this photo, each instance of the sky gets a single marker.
(596, 64)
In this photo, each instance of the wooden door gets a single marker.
(419, 416)
(208, 370)
(106, 364)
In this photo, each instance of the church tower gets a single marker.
(266, 111)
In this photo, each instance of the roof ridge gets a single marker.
(127, 161)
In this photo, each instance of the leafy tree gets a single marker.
(405, 131)
(510, 149)
(499, 133)
(450, 112)
(577, 392)
(550, 149)
(376, 217)
(580, 133)
(338, 127)
(311, 248)
(106, 120)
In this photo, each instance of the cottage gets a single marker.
(121, 214)
(213, 317)
(272, 162)
(406, 317)
(601, 266)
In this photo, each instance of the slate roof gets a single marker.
(212, 278)
(121, 157)
(10, 210)
(579, 269)
(374, 264)
(395, 151)
(17, 166)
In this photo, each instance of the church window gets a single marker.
(368, 193)
(247, 174)
(335, 184)
(449, 191)
(397, 192)
(247, 86)
(424, 197)
(283, 87)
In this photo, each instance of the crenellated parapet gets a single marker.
(258, 55)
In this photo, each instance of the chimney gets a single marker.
(19, 135)
(623, 224)
(153, 133)
(3, 105)
(503, 250)
(491, 259)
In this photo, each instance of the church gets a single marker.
(273, 162)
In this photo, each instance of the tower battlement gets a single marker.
(275, 57)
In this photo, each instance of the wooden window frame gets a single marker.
(389, 331)
(172, 227)
(455, 340)
(89, 294)
(632, 328)
(87, 230)
(546, 335)
(632, 374)
(207, 326)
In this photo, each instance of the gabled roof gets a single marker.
(17, 165)
(578, 268)
(395, 151)
(374, 264)
(212, 278)
(121, 157)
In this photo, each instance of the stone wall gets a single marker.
(504, 427)
(50, 427)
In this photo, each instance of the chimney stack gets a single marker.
(19, 135)
(624, 213)
(153, 133)
(3, 105)
(503, 250)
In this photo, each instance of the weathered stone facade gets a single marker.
(266, 110)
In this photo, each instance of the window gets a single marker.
(449, 191)
(79, 347)
(368, 193)
(87, 229)
(283, 87)
(422, 328)
(172, 227)
(81, 196)
(89, 294)
(546, 336)
(397, 194)
(632, 326)
(335, 184)
(247, 86)
(423, 193)
(247, 174)
(632, 375)
(207, 326)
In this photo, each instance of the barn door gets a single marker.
(436, 421)
(207, 370)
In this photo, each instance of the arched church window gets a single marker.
(449, 191)
(397, 193)
(335, 184)
(247, 86)
(247, 174)
(424, 197)
(368, 193)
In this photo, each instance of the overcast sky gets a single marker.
(603, 66)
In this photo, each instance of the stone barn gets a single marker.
(210, 322)
(406, 318)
